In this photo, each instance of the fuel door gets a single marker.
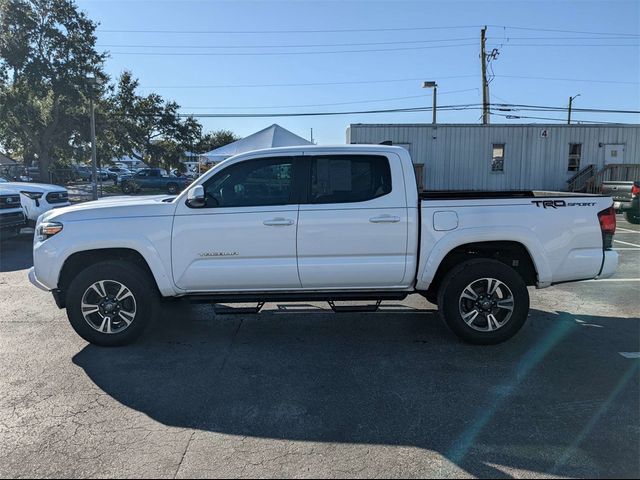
(445, 220)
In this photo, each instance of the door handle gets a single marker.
(278, 222)
(385, 219)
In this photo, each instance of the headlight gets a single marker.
(48, 229)
(32, 195)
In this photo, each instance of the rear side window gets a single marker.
(349, 178)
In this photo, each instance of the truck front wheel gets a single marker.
(484, 301)
(632, 217)
(111, 303)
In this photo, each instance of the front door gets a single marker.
(352, 229)
(245, 236)
(613, 153)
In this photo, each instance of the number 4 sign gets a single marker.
(544, 133)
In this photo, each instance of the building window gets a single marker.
(497, 158)
(575, 151)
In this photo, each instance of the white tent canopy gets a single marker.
(273, 136)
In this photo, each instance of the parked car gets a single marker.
(11, 212)
(152, 178)
(320, 223)
(38, 198)
(626, 198)
(117, 173)
(82, 172)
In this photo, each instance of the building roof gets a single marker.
(272, 136)
(4, 160)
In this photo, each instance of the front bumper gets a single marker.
(609, 264)
(34, 280)
(11, 220)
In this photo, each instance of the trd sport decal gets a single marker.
(560, 203)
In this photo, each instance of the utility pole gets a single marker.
(485, 85)
(570, 104)
(94, 157)
(312, 135)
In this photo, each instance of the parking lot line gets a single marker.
(627, 230)
(630, 354)
(627, 248)
(615, 280)
(627, 243)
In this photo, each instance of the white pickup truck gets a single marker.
(319, 223)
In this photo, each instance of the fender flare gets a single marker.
(463, 236)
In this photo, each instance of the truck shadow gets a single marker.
(556, 399)
(16, 253)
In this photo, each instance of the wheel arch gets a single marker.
(517, 247)
(78, 261)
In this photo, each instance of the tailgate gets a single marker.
(619, 191)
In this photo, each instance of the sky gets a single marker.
(234, 57)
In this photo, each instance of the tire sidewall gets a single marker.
(172, 188)
(136, 280)
(460, 277)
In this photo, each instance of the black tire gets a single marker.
(172, 188)
(127, 188)
(141, 287)
(450, 302)
(632, 217)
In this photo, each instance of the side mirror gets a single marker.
(196, 198)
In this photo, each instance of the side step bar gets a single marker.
(330, 297)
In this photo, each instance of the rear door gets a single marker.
(352, 227)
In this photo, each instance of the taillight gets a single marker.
(607, 219)
(635, 190)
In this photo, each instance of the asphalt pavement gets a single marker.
(298, 391)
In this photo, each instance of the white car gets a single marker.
(325, 224)
(11, 213)
(38, 198)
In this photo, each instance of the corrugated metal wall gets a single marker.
(459, 156)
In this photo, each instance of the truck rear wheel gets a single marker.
(172, 188)
(111, 303)
(484, 301)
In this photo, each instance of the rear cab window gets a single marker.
(348, 178)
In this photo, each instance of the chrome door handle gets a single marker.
(279, 222)
(385, 219)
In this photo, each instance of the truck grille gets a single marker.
(57, 197)
(11, 218)
(9, 201)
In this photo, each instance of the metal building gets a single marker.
(511, 157)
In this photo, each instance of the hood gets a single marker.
(8, 190)
(114, 207)
(35, 187)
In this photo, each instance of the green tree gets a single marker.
(148, 127)
(47, 52)
(212, 140)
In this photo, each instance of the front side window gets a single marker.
(349, 178)
(497, 158)
(575, 152)
(251, 183)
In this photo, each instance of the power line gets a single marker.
(311, 84)
(565, 31)
(527, 77)
(287, 53)
(337, 30)
(334, 104)
(394, 80)
(360, 30)
(570, 45)
(311, 45)
(563, 120)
